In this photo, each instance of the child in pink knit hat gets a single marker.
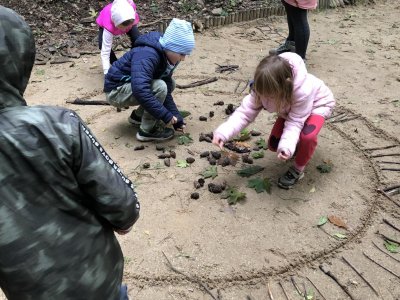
(117, 18)
(302, 101)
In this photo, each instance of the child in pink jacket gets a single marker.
(302, 101)
(299, 30)
(117, 18)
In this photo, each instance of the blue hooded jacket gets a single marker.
(141, 65)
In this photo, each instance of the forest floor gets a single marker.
(261, 245)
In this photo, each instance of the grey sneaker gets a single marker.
(134, 119)
(157, 134)
(289, 179)
(287, 46)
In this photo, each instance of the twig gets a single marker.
(391, 225)
(345, 119)
(388, 238)
(382, 155)
(383, 267)
(390, 169)
(359, 274)
(305, 291)
(379, 248)
(296, 287)
(388, 162)
(283, 289)
(87, 102)
(269, 292)
(154, 22)
(326, 271)
(387, 196)
(237, 86)
(380, 148)
(247, 84)
(390, 189)
(322, 296)
(197, 83)
(169, 264)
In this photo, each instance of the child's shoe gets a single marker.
(289, 179)
(134, 119)
(156, 134)
(287, 46)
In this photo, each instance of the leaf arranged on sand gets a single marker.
(233, 195)
(260, 184)
(184, 113)
(185, 139)
(182, 163)
(337, 221)
(262, 144)
(325, 167)
(391, 246)
(340, 236)
(211, 171)
(322, 220)
(244, 135)
(249, 171)
(257, 155)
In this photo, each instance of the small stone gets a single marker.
(205, 154)
(160, 147)
(137, 148)
(167, 162)
(211, 114)
(216, 154)
(220, 103)
(214, 188)
(194, 196)
(203, 118)
(172, 154)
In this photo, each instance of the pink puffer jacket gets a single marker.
(304, 4)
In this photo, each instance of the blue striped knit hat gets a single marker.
(178, 37)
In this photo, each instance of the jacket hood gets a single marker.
(17, 55)
(151, 40)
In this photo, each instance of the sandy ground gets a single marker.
(244, 250)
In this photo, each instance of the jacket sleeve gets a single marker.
(242, 116)
(112, 195)
(143, 68)
(302, 104)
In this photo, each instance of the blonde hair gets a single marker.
(273, 79)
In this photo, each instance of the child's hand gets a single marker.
(173, 121)
(284, 154)
(179, 124)
(218, 141)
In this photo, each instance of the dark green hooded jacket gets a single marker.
(61, 195)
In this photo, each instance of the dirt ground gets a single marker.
(260, 246)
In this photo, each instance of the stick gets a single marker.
(390, 169)
(169, 264)
(388, 238)
(391, 225)
(286, 295)
(380, 148)
(154, 22)
(326, 270)
(247, 84)
(322, 296)
(398, 260)
(383, 267)
(388, 162)
(269, 292)
(197, 83)
(359, 274)
(87, 102)
(387, 196)
(345, 119)
(296, 287)
(390, 189)
(382, 155)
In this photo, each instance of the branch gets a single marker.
(197, 83)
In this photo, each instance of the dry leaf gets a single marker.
(242, 144)
(337, 221)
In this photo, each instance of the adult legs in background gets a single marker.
(113, 57)
(133, 34)
(299, 30)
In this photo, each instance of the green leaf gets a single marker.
(244, 135)
(185, 139)
(260, 184)
(257, 155)
(340, 236)
(325, 167)
(184, 113)
(233, 195)
(248, 171)
(310, 295)
(182, 163)
(210, 172)
(262, 144)
(391, 246)
(322, 220)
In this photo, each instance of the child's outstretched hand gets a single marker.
(179, 125)
(218, 141)
(284, 154)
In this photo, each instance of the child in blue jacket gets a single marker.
(143, 76)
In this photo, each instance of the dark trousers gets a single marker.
(299, 30)
(133, 34)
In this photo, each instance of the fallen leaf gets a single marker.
(322, 220)
(257, 155)
(211, 171)
(233, 195)
(185, 139)
(391, 246)
(260, 184)
(312, 189)
(262, 144)
(337, 221)
(249, 171)
(182, 163)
